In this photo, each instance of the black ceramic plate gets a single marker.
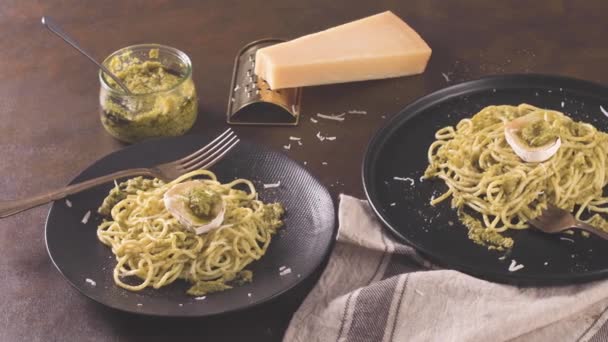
(301, 244)
(400, 150)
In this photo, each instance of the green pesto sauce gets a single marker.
(165, 105)
(272, 215)
(204, 287)
(204, 204)
(123, 189)
(483, 236)
(539, 133)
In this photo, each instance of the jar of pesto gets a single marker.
(163, 100)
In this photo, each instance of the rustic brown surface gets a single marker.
(50, 130)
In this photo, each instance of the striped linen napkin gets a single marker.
(375, 289)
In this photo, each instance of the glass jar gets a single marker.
(164, 101)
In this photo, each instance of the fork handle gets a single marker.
(8, 208)
(591, 229)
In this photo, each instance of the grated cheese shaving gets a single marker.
(200, 298)
(447, 79)
(91, 282)
(86, 217)
(285, 272)
(295, 138)
(287, 147)
(299, 143)
(68, 203)
(405, 179)
(566, 239)
(236, 88)
(339, 117)
(321, 138)
(330, 138)
(362, 112)
(562, 104)
(324, 163)
(272, 185)
(514, 266)
(604, 111)
(314, 120)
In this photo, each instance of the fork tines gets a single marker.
(210, 153)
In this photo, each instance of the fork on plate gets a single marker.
(202, 158)
(556, 220)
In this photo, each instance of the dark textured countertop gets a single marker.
(50, 129)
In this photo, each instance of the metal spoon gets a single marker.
(53, 27)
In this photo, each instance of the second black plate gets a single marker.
(400, 150)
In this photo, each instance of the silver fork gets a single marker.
(555, 220)
(200, 159)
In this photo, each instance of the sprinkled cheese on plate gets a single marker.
(272, 185)
(604, 111)
(514, 266)
(405, 179)
(86, 217)
(68, 203)
(285, 272)
(295, 138)
(314, 120)
(91, 282)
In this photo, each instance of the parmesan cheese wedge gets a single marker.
(379, 46)
(524, 151)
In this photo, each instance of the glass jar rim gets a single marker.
(164, 48)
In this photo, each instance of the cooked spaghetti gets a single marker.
(494, 190)
(150, 244)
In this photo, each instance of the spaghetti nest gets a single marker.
(494, 190)
(150, 244)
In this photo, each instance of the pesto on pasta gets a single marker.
(153, 245)
(494, 190)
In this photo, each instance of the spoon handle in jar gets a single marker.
(53, 27)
